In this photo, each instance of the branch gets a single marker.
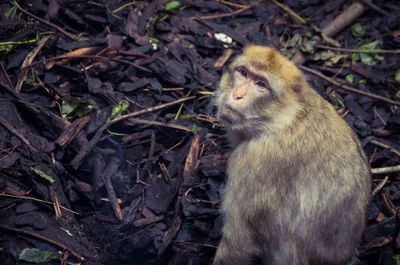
(348, 88)
(77, 161)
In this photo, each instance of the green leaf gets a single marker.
(370, 46)
(118, 109)
(31, 77)
(357, 30)
(43, 175)
(11, 12)
(194, 128)
(355, 57)
(397, 76)
(36, 255)
(368, 58)
(5, 49)
(362, 81)
(337, 100)
(397, 259)
(172, 5)
(74, 107)
(350, 78)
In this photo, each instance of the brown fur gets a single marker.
(298, 183)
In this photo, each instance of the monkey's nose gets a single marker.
(239, 93)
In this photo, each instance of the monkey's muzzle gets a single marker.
(230, 116)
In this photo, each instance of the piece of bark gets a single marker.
(72, 131)
(350, 14)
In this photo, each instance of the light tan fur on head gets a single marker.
(261, 111)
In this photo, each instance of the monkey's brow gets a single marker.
(261, 67)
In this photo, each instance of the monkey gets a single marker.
(298, 182)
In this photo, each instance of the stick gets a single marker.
(3, 194)
(44, 238)
(375, 7)
(28, 61)
(358, 50)
(164, 124)
(51, 25)
(223, 58)
(291, 13)
(231, 4)
(76, 162)
(231, 14)
(392, 149)
(108, 172)
(385, 170)
(11, 128)
(348, 88)
(92, 57)
(350, 14)
(380, 185)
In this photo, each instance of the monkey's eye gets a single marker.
(243, 72)
(262, 83)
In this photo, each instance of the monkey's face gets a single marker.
(260, 90)
(243, 95)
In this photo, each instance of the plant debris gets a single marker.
(110, 152)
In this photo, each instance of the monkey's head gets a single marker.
(261, 90)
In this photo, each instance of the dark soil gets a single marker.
(146, 188)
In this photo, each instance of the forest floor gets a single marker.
(110, 152)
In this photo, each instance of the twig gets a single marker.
(108, 172)
(348, 88)
(35, 199)
(194, 243)
(178, 113)
(72, 131)
(151, 109)
(231, 4)
(191, 163)
(51, 25)
(73, 54)
(231, 14)
(379, 116)
(291, 13)
(42, 237)
(6, 78)
(380, 185)
(11, 128)
(28, 61)
(62, 57)
(122, 7)
(388, 203)
(76, 162)
(358, 50)
(223, 58)
(393, 150)
(56, 204)
(385, 170)
(375, 7)
(165, 124)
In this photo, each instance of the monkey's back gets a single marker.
(311, 193)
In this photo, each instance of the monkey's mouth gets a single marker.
(230, 116)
